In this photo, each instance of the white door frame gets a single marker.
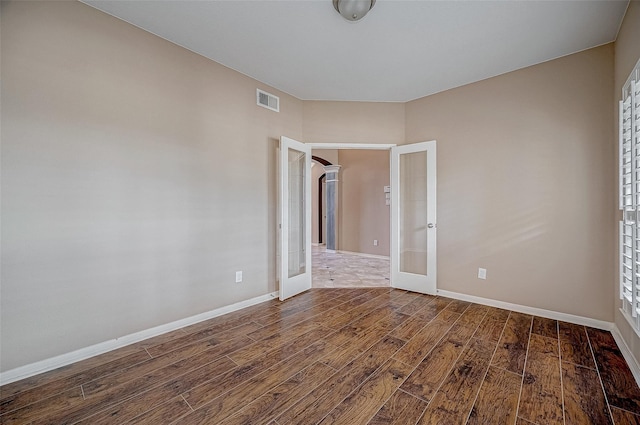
(353, 146)
(374, 146)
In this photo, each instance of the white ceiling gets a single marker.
(401, 50)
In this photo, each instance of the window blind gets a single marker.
(629, 166)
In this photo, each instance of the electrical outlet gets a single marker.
(238, 277)
(482, 273)
(375, 242)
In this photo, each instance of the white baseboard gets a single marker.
(627, 353)
(103, 347)
(362, 254)
(46, 365)
(578, 320)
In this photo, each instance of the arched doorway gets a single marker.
(321, 216)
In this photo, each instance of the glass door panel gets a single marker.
(413, 213)
(297, 251)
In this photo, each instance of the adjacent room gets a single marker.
(357, 253)
(464, 249)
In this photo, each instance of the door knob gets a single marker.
(431, 225)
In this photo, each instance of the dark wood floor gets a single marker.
(347, 356)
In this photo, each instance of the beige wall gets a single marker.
(330, 155)
(525, 162)
(627, 54)
(137, 177)
(362, 213)
(353, 122)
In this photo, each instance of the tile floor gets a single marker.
(342, 270)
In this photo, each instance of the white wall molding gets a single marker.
(578, 320)
(633, 363)
(629, 320)
(103, 347)
(372, 146)
(627, 353)
(362, 254)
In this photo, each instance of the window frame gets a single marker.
(629, 197)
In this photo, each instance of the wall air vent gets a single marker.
(268, 100)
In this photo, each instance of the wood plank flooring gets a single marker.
(345, 356)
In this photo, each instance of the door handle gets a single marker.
(431, 225)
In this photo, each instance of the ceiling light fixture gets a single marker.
(353, 10)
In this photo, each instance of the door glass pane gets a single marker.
(297, 235)
(413, 213)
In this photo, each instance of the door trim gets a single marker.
(354, 146)
(376, 146)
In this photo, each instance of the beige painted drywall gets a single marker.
(627, 54)
(137, 177)
(525, 162)
(362, 213)
(353, 122)
(330, 155)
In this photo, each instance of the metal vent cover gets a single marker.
(267, 100)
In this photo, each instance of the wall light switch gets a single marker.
(482, 273)
(375, 242)
(238, 277)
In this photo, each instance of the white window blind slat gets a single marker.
(629, 196)
(633, 136)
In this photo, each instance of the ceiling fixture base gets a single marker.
(353, 10)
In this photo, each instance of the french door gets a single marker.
(413, 217)
(295, 218)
